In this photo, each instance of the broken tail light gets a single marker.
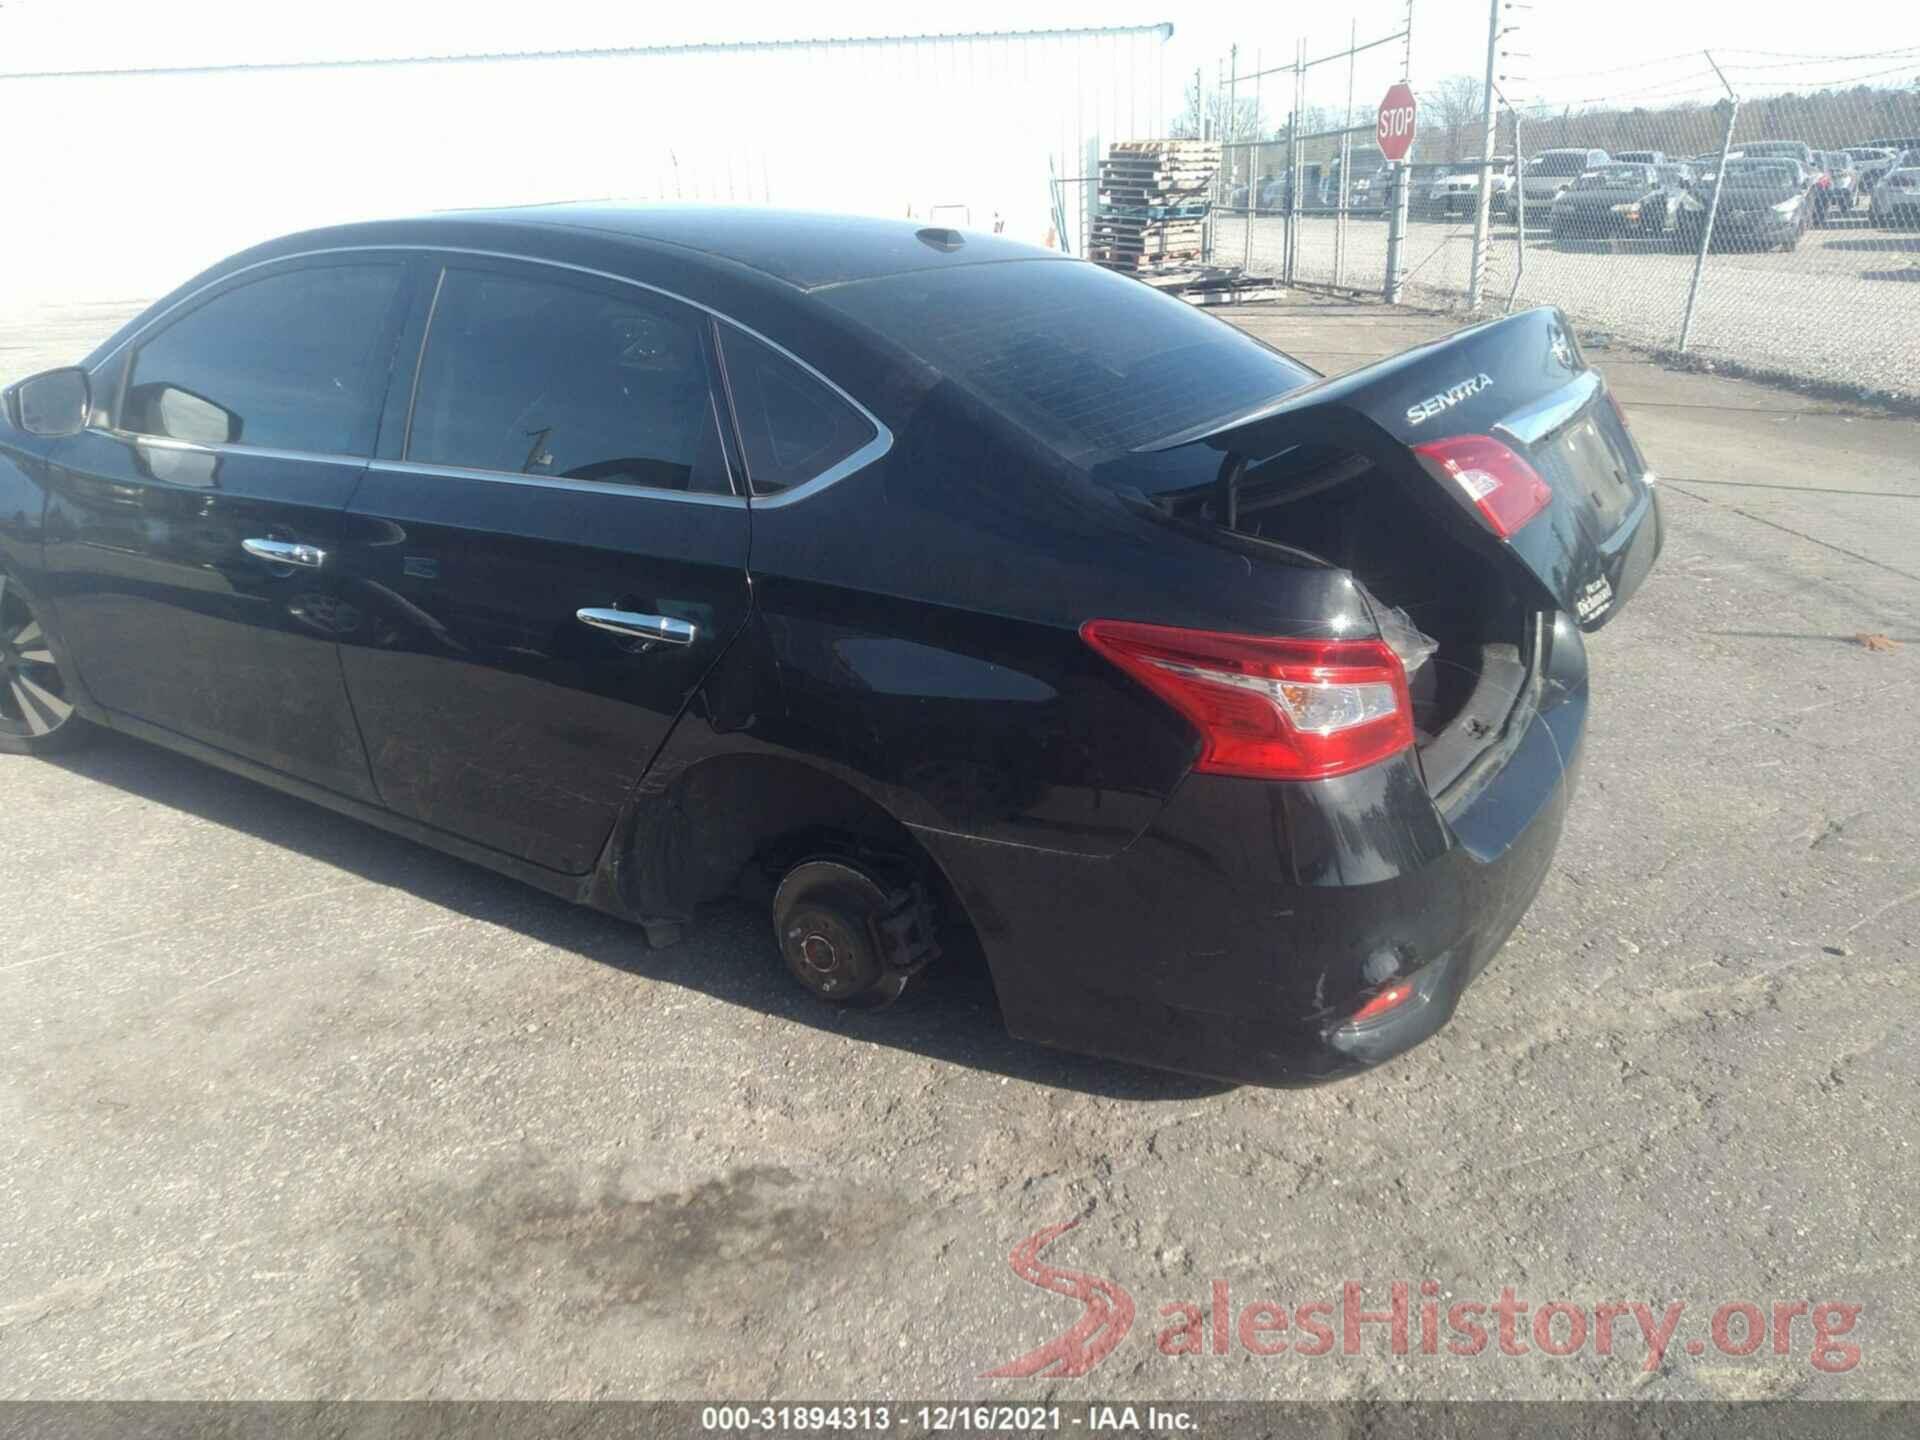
(1269, 708)
(1506, 490)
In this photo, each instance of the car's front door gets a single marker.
(193, 538)
(552, 556)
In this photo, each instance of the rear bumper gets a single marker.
(1239, 934)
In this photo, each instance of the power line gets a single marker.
(1909, 68)
(1792, 59)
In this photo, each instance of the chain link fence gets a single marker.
(1759, 211)
(1775, 231)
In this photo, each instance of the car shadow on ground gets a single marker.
(1881, 244)
(949, 1014)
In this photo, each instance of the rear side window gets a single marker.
(1090, 362)
(540, 377)
(295, 361)
(792, 428)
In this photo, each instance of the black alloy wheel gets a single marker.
(36, 714)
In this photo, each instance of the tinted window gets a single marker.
(1565, 162)
(1613, 177)
(541, 377)
(1091, 362)
(792, 427)
(295, 361)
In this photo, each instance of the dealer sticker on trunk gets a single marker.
(1594, 600)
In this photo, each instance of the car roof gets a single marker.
(804, 248)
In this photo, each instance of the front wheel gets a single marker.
(36, 715)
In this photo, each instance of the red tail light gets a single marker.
(1391, 998)
(1506, 490)
(1270, 709)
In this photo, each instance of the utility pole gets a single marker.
(1483, 205)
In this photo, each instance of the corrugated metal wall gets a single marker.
(127, 182)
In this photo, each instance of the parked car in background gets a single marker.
(1896, 195)
(1820, 184)
(1844, 191)
(903, 582)
(1425, 192)
(1870, 162)
(1268, 193)
(1458, 192)
(1763, 202)
(1552, 172)
(1776, 150)
(1897, 145)
(1370, 191)
(1619, 200)
(1641, 157)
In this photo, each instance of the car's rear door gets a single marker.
(551, 554)
(193, 535)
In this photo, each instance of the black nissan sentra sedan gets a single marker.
(1618, 200)
(916, 584)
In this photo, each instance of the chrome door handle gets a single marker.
(286, 552)
(664, 628)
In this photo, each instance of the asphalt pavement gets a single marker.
(293, 1108)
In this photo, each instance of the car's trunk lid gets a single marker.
(1522, 381)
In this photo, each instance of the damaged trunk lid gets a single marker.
(1511, 432)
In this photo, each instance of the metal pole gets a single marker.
(1233, 92)
(1294, 158)
(1520, 213)
(1397, 232)
(1253, 172)
(1483, 203)
(1713, 205)
(1346, 167)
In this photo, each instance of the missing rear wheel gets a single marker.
(846, 937)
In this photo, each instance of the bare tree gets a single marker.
(1450, 112)
(1208, 115)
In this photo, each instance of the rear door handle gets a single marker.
(286, 552)
(664, 628)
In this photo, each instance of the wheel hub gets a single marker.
(817, 950)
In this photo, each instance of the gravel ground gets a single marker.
(1844, 308)
(293, 1108)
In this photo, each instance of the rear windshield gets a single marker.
(1091, 362)
(1612, 177)
(1569, 162)
(1761, 172)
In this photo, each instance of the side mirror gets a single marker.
(53, 403)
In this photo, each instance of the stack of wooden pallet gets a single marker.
(1154, 197)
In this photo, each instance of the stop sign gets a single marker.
(1396, 123)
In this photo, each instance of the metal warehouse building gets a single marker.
(159, 171)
